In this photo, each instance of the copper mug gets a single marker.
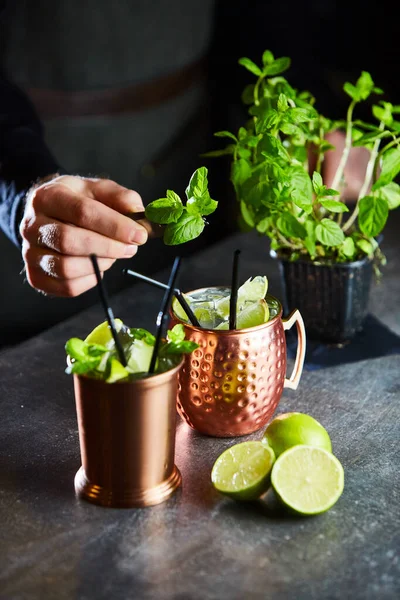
(127, 440)
(231, 385)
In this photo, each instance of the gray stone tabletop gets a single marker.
(199, 545)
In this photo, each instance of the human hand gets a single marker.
(69, 218)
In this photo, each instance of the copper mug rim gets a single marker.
(144, 382)
(229, 331)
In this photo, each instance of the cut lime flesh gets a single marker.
(308, 480)
(140, 355)
(102, 333)
(117, 372)
(254, 314)
(243, 471)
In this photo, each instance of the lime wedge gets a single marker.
(308, 480)
(254, 314)
(294, 428)
(102, 333)
(117, 372)
(243, 471)
(140, 355)
(253, 289)
(224, 326)
(178, 310)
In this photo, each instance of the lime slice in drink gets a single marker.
(139, 357)
(294, 428)
(243, 471)
(178, 310)
(308, 480)
(254, 314)
(117, 371)
(251, 291)
(102, 333)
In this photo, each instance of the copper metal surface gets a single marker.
(232, 384)
(127, 440)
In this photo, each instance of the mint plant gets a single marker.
(183, 222)
(280, 197)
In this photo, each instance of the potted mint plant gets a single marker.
(326, 248)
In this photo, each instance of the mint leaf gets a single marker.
(204, 205)
(390, 168)
(302, 200)
(142, 334)
(290, 227)
(317, 182)
(267, 57)
(176, 334)
(278, 66)
(165, 210)
(250, 66)
(187, 228)
(390, 193)
(373, 215)
(240, 172)
(225, 134)
(329, 233)
(365, 246)
(348, 247)
(247, 214)
(334, 206)
(198, 184)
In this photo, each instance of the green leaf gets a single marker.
(184, 347)
(390, 193)
(267, 57)
(278, 66)
(228, 150)
(244, 152)
(300, 181)
(383, 113)
(204, 205)
(176, 334)
(263, 225)
(300, 115)
(142, 334)
(309, 242)
(301, 200)
(187, 228)
(390, 168)
(282, 104)
(334, 206)
(365, 246)
(247, 214)
(198, 183)
(331, 192)
(290, 227)
(317, 182)
(270, 146)
(373, 213)
(225, 134)
(240, 171)
(250, 66)
(248, 94)
(165, 210)
(329, 233)
(348, 248)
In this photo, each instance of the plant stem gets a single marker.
(287, 243)
(346, 150)
(255, 92)
(367, 180)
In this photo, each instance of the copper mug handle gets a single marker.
(295, 317)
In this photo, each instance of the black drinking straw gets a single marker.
(177, 293)
(162, 317)
(234, 290)
(107, 309)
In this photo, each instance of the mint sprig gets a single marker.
(184, 222)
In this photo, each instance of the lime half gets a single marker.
(308, 480)
(294, 428)
(243, 471)
(117, 372)
(102, 333)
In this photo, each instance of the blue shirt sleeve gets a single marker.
(24, 156)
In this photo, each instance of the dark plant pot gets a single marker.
(332, 299)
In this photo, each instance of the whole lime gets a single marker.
(293, 429)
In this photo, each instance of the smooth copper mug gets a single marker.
(232, 384)
(127, 440)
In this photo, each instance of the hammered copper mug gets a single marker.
(127, 440)
(231, 385)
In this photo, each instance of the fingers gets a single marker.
(58, 202)
(67, 288)
(59, 266)
(72, 241)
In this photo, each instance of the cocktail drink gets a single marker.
(126, 416)
(232, 383)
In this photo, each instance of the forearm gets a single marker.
(24, 156)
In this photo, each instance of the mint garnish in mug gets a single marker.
(183, 222)
(97, 357)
